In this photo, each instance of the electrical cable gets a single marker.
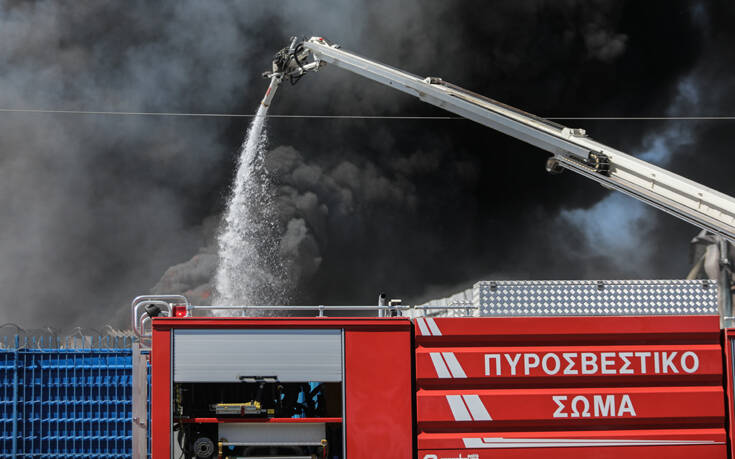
(367, 117)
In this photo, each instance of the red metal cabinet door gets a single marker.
(378, 393)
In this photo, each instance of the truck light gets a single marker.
(179, 311)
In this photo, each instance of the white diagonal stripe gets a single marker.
(573, 442)
(422, 326)
(432, 326)
(479, 413)
(458, 409)
(454, 365)
(441, 369)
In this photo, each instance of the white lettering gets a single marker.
(606, 410)
(589, 363)
(604, 406)
(668, 362)
(585, 403)
(605, 362)
(624, 370)
(545, 363)
(513, 362)
(559, 399)
(568, 357)
(643, 356)
(487, 363)
(527, 365)
(626, 406)
(695, 360)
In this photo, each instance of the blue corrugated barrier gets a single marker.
(65, 401)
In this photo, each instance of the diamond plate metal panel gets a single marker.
(583, 298)
(595, 298)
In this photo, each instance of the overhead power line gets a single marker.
(367, 117)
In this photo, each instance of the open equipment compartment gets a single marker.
(257, 392)
(228, 387)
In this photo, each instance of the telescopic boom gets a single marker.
(570, 148)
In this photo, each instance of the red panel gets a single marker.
(629, 452)
(583, 406)
(378, 395)
(525, 387)
(520, 439)
(481, 330)
(572, 406)
(161, 394)
(730, 386)
(607, 365)
(688, 443)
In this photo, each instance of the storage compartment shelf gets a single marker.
(258, 420)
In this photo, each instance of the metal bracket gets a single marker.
(140, 317)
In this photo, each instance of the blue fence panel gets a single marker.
(61, 401)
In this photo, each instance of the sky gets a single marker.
(95, 210)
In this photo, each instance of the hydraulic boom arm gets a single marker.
(570, 148)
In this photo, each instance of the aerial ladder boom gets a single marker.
(571, 148)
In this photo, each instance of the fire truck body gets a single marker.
(431, 387)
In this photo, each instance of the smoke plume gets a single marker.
(98, 209)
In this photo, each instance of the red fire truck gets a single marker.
(603, 369)
(577, 382)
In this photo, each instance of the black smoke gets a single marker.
(95, 209)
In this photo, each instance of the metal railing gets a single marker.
(141, 319)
